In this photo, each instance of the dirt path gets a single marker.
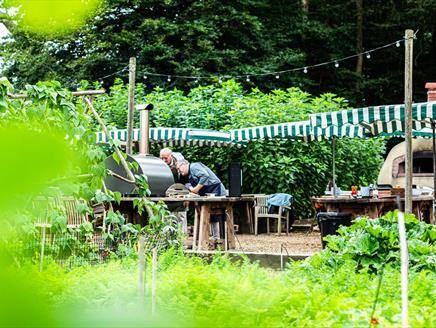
(303, 243)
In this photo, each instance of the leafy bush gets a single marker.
(194, 293)
(269, 166)
(372, 243)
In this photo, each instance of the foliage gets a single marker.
(374, 243)
(54, 18)
(194, 293)
(55, 136)
(236, 38)
(269, 166)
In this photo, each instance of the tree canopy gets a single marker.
(237, 38)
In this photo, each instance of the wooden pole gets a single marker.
(408, 79)
(153, 282)
(433, 127)
(404, 256)
(141, 269)
(131, 104)
(334, 167)
(41, 260)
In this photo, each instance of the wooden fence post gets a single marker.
(153, 282)
(141, 280)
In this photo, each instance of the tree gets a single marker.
(214, 39)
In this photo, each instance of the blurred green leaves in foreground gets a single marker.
(52, 18)
(30, 161)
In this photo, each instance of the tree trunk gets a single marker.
(359, 42)
(305, 8)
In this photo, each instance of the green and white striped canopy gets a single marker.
(297, 131)
(175, 137)
(379, 119)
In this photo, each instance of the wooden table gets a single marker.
(422, 206)
(203, 207)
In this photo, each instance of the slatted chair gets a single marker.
(68, 205)
(261, 212)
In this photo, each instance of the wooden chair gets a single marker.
(68, 205)
(261, 211)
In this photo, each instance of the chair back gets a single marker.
(67, 205)
(261, 203)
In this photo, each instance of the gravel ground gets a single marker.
(306, 243)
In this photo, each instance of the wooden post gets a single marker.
(334, 167)
(408, 79)
(433, 128)
(153, 282)
(131, 104)
(404, 269)
(141, 269)
(41, 260)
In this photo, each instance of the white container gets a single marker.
(364, 191)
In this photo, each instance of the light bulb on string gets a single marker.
(145, 77)
(169, 78)
(336, 64)
(277, 76)
(248, 78)
(196, 81)
(397, 43)
(305, 70)
(368, 55)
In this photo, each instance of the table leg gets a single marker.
(249, 217)
(195, 234)
(230, 227)
(204, 224)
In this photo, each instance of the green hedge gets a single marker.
(269, 166)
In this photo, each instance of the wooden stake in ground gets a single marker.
(153, 282)
(404, 255)
(141, 269)
(41, 261)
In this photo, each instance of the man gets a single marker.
(203, 181)
(170, 159)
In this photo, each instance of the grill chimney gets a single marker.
(144, 140)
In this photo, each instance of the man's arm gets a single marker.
(196, 189)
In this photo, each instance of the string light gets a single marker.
(145, 77)
(196, 81)
(277, 74)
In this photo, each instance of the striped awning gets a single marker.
(297, 131)
(168, 137)
(379, 119)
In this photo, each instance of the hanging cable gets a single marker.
(247, 76)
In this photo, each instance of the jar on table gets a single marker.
(354, 191)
